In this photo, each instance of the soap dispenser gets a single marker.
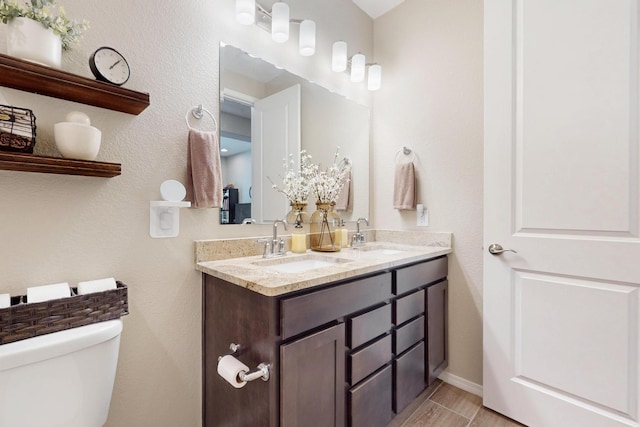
(298, 239)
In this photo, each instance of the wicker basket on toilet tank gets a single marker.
(23, 320)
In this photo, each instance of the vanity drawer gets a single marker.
(412, 277)
(367, 326)
(409, 372)
(408, 335)
(370, 402)
(302, 313)
(408, 307)
(370, 358)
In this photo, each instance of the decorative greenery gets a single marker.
(49, 15)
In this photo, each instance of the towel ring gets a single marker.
(405, 151)
(197, 112)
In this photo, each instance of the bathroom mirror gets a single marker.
(298, 115)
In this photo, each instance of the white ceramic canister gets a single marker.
(31, 41)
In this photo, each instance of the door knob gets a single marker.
(497, 249)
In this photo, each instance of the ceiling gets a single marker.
(376, 8)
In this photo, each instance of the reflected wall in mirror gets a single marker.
(266, 114)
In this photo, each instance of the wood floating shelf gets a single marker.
(46, 164)
(23, 75)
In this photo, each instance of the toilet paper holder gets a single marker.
(261, 371)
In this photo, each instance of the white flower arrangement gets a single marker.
(296, 179)
(47, 13)
(326, 184)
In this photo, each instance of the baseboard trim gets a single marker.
(461, 383)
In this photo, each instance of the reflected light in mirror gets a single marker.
(246, 11)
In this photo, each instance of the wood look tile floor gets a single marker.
(443, 405)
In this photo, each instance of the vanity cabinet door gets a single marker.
(371, 400)
(409, 371)
(312, 380)
(436, 329)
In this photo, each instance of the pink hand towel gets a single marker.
(204, 172)
(404, 190)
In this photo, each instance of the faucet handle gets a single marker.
(267, 246)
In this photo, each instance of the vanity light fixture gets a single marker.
(358, 63)
(246, 11)
(277, 22)
(307, 37)
(374, 78)
(280, 22)
(339, 56)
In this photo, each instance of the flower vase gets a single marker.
(29, 40)
(323, 224)
(298, 212)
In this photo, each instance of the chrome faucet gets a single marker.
(275, 246)
(358, 237)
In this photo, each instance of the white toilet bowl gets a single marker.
(63, 379)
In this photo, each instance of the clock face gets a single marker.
(108, 65)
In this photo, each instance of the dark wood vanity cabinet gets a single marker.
(350, 353)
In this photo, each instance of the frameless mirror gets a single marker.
(267, 114)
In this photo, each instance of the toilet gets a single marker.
(62, 379)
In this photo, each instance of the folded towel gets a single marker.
(5, 300)
(99, 285)
(47, 292)
(344, 201)
(204, 171)
(404, 190)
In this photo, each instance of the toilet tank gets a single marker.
(63, 379)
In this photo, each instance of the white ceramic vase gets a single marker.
(29, 40)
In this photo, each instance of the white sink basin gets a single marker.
(300, 264)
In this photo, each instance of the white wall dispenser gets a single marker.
(164, 215)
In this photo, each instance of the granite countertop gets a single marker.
(259, 274)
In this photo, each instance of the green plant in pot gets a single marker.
(39, 30)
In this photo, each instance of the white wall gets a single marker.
(57, 228)
(431, 101)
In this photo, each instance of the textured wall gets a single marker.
(57, 228)
(431, 101)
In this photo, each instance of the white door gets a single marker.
(275, 133)
(561, 316)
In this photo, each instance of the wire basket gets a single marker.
(22, 321)
(17, 129)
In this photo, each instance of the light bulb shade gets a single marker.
(358, 67)
(374, 81)
(339, 57)
(246, 11)
(307, 37)
(280, 22)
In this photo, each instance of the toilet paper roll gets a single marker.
(99, 285)
(47, 292)
(5, 300)
(229, 367)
